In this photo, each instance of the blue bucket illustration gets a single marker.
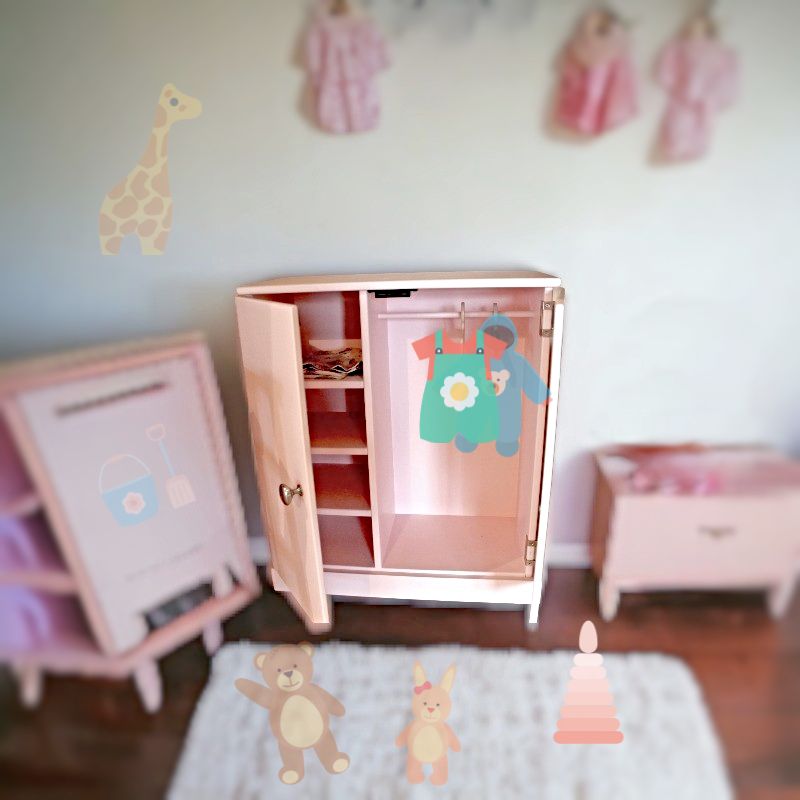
(128, 489)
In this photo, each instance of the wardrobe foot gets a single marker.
(531, 618)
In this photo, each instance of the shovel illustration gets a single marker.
(179, 489)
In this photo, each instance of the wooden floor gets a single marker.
(91, 739)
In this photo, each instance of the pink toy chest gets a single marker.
(744, 534)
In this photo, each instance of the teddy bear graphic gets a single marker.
(429, 736)
(298, 709)
(500, 379)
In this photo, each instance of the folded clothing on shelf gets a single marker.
(336, 364)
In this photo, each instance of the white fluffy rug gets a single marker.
(505, 709)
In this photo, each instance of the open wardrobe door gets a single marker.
(551, 327)
(269, 335)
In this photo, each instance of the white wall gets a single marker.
(682, 283)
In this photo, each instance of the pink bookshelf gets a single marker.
(121, 530)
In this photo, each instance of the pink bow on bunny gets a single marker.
(422, 687)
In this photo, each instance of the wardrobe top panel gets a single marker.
(470, 279)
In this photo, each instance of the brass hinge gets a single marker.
(548, 312)
(546, 324)
(532, 544)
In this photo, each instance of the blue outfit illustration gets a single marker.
(512, 375)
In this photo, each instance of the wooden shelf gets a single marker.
(54, 580)
(69, 641)
(70, 651)
(37, 565)
(342, 490)
(21, 507)
(346, 541)
(438, 543)
(350, 382)
(337, 433)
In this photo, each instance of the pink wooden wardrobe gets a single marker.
(376, 511)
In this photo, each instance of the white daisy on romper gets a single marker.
(459, 391)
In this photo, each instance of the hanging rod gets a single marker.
(453, 314)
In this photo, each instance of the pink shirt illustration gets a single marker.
(343, 55)
(701, 76)
(426, 348)
(597, 88)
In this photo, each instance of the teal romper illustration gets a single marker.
(459, 397)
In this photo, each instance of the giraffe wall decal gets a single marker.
(141, 202)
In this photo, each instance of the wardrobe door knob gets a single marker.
(287, 493)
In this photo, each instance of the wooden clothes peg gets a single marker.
(463, 323)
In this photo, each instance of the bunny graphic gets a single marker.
(428, 736)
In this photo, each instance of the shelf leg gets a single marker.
(31, 684)
(221, 582)
(148, 682)
(608, 597)
(779, 597)
(212, 637)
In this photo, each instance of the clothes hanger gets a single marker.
(608, 18)
(605, 19)
(702, 25)
(340, 8)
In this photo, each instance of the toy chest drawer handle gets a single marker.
(717, 531)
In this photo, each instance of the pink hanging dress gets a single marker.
(343, 55)
(701, 76)
(597, 88)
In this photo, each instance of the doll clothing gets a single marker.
(426, 348)
(459, 397)
(343, 55)
(597, 87)
(701, 76)
(512, 376)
